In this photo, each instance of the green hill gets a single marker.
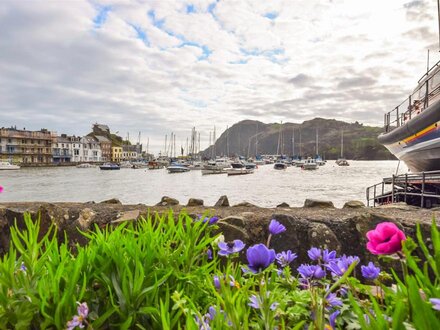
(248, 137)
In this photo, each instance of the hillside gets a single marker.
(360, 142)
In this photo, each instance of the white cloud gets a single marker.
(63, 68)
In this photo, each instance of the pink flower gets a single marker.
(1, 189)
(385, 239)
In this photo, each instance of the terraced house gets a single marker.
(23, 146)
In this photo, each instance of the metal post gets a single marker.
(406, 184)
(423, 189)
(374, 197)
(397, 117)
(392, 190)
(409, 107)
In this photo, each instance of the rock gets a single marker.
(244, 204)
(167, 201)
(111, 201)
(234, 220)
(318, 204)
(222, 202)
(195, 202)
(295, 237)
(127, 216)
(85, 218)
(232, 232)
(322, 236)
(283, 204)
(353, 205)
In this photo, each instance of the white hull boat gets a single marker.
(8, 166)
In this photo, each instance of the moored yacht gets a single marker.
(8, 166)
(109, 166)
(310, 164)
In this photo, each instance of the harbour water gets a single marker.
(266, 187)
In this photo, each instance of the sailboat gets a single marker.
(342, 161)
(318, 158)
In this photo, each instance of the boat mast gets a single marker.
(166, 152)
(342, 143)
(227, 141)
(300, 143)
(256, 142)
(438, 19)
(293, 141)
(317, 139)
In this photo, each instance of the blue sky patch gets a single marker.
(101, 17)
(270, 54)
(159, 23)
(190, 9)
(271, 15)
(141, 34)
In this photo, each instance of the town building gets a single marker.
(23, 146)
(62, 149)
(130, 152)
(91, 150)
(106, 147)
(116, 154)
(77, 148)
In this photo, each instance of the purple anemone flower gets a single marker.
(80, 319)
(435, 303)
(209, 254)
(23, 267)
(230, 247)
(216, 281)
(339, 266)
(332, 319)
(311, 271)
(285, 258)
(276, 228)
(259, 257)
(328, 256)
(333, 300)
(255, 302)
(314, 253)
(370, 272)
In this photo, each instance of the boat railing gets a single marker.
(418, 101)
(420, 189)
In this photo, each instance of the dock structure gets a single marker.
(419, 189)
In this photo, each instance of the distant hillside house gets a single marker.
(99, 129)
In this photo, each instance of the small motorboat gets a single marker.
(342, 162)
(177, 168)
(155, 165)
(125, 164)
(109, 166)
(8, 166)
(238, 168)
(279, 165)
(310, 164)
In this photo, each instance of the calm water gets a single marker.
(266, 187)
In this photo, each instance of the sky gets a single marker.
(158, 67)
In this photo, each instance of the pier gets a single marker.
(418, 189)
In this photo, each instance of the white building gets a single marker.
(76, 149)
(91, 150)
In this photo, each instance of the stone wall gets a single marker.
(316, 224)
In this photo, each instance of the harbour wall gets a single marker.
(317, 224)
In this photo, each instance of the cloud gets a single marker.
(163, 66)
